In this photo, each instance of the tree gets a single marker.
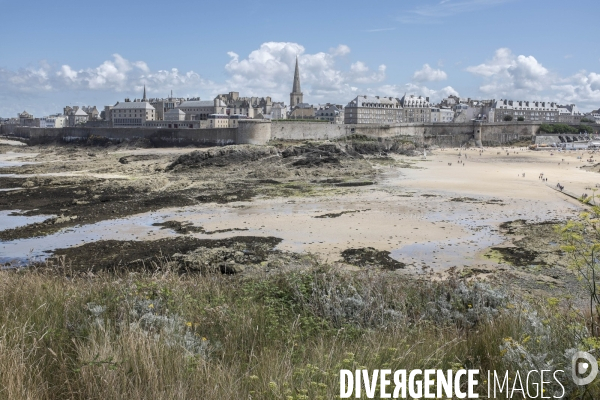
(581, 242)
(508, 118)
(521, 118)
(586, 128)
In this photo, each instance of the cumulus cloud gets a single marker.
(582, 88)
(116, 75)
(428, 74)
(507, 75)
(122, 75)
(269, 70)
(265, 71)
(434, 95)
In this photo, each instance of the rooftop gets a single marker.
(133, 105)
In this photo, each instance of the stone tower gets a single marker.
(296, 95)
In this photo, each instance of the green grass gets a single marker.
(281, 336)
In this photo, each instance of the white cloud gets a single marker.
(266, 71)
(506, 73)
(582, 88)
(122, 75)
(269, 70)
(341, 50)
(428, 74)
(524, 77)
(116, 75)
(435, 96)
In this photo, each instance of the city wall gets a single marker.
(261, 132)
(164, 137)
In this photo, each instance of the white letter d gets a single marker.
(346, 374)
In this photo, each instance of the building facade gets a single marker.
(278, 111)
(131, 114)
(200, 110)
(441, 114)
(248, 106)
(373, 110)
(569, 114)
(530, 111)
(416, 109)
(218, 121)
(53, 121)
(334, 113)
(302, 111)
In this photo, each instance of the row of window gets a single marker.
(127, 121)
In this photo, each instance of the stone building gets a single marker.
(416, 109)
(569, 114)
(373, 110)
(78, 117)
(26, 119)
(248, 106)
(130, 114)
(54, 121)
(200, 110)
(174, 115)
(92, 113)
(530, 111)
(164, 105)
(441, 114)
(302, 111)
(218, 121)
(334, 113)
(278, 111)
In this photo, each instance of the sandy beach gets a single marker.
(439, 211)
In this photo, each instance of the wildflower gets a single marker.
(204, 339)
(189, 324)
(151, 306)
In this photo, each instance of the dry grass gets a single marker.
(286, 336)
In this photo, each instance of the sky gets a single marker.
(53, 55)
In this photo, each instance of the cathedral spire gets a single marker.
(296, 95)
(144, 98)
(296, 87)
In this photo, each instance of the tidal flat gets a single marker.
(261, 271)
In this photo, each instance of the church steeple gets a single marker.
(296, 95)
(144, 98)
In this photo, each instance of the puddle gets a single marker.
(81, 174)
(7, 164)
(481, 230)
(12, 159)
(10, 219)
(138, 227)
(446, 233)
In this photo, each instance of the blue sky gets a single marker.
(55, 55)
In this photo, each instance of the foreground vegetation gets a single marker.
(165, 335)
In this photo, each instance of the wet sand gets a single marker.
(430, 214)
